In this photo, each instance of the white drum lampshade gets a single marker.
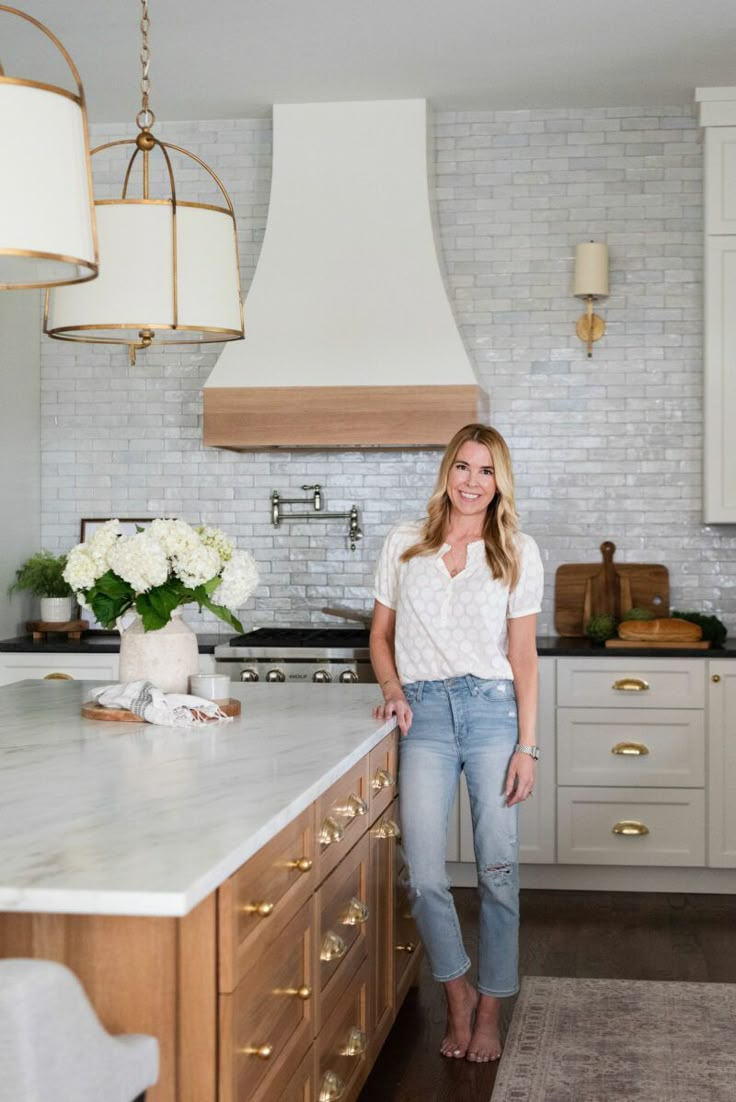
(47, 227)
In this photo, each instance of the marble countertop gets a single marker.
(124, 818)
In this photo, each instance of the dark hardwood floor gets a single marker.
(597, 934)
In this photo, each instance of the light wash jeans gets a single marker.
(470, 724)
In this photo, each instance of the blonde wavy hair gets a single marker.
(501, 523)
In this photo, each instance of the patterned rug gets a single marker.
(620, 1041)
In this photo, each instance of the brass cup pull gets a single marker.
(630, 685)
(356, 1043)
(331, 1088)
(330, 832)
(333, 947)
(353, 807)
(263, 1052)
(409, 947)
(355, 914)
(630, 828)
(382, 779)
(301, 864)
(263, 910)
(630, 749)
(302, 992)
(387, 828)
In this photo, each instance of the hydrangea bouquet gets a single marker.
(158, 569)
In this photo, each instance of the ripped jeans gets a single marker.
(463, 723)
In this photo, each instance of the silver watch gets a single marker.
(532, 751)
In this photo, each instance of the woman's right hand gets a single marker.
(395, 705)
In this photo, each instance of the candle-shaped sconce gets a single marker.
(591, 282)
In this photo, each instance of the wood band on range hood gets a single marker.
(350, 339)
(338, 416)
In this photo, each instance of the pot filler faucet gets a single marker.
(354, 532)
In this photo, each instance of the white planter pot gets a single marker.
(168, 657)
(56, 610)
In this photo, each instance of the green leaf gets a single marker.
(113, 586)
(222, 612)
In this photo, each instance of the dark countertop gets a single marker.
(92, 642)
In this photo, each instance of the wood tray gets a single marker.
(674, 644)
(583, 590)
(230, 707)
(71, 628)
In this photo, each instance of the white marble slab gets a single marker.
(123, 818)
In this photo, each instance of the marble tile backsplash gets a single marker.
(607, 448)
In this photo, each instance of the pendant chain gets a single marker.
(145, 118)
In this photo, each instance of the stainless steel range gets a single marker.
(325, 655)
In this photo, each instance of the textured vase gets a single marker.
(168, 657)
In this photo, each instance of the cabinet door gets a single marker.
(722, 764)
(720, 379)
(17, 666)
(720, 179)
(381, 865)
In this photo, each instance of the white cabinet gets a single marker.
(19, 665)
(722, 763)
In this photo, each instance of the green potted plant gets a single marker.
(43, 576)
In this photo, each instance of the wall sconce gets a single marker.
(591, 282)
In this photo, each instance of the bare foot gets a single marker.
(462, 1000)
(485, 1043)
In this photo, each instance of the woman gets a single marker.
(453, 648)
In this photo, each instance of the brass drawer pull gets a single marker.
(630, 749)
(330, 832)
(387, 828)
(353, 807)
(630, 685)
(356, 1043)
(302, 992)
(301, 864)
(355, 914)
(263, 1052)
(263, 910)
(408, 948)
(331, 1088)
(58, 677)
(630, 828)
(382, 779)
(333, 947)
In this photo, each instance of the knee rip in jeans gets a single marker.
(499, 873)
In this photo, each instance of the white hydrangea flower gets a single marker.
(176, 537)
(214, 537)
(99, 545)
(239, 580)
(197, 565)
(140, 560)
(81, 570)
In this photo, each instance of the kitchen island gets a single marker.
(124, 848)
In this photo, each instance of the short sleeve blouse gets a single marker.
(449, 627)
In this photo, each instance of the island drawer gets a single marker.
(259, 899)
(342, 927)
(267, 1022)
(406, 938)
(637, 746)
(287, 1085)
(630, 683)
(343, 1043)
(342, 817)
(631, 826)
(382, 768)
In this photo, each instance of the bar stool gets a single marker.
(53, 1047)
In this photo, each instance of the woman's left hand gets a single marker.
(520, 778)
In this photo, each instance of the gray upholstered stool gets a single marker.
(53, 1048)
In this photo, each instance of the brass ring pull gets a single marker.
(630, 749)
(353, 807)
(333, 947)
(331, 1088)
(263, 1052)
(630, 685)
(301, 864)
(409, 947)
(630, 828)
(382, 779)
(387, 828)
(355, 914)
(356, 1043)
(263, 910)
(330, 832)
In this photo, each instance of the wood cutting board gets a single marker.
(583, 590)
(230, 707)
(673, 644)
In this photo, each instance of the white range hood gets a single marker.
(349, 336)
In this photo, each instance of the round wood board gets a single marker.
(230, 707)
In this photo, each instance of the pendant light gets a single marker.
(169, 269)
(47, 219)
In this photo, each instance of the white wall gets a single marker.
(20, 460)
(608, 448)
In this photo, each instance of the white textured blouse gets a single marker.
(449, 627)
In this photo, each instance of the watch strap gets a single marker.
(532, 751)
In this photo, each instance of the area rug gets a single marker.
(619, 1041)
